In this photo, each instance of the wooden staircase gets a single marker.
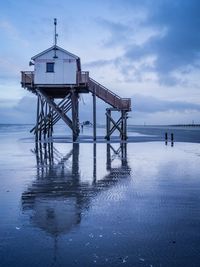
(108, 96)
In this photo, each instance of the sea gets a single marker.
(133, 203)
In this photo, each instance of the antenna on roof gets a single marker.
(55, 37)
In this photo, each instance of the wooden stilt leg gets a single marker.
(75, 115)
(94, 117)
(37, 118)
(108, 115)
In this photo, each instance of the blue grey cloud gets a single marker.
(96, 63)
(119, 32)
(149, 104)
(174, 50)
(23, 112)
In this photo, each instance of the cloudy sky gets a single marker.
(148, 50)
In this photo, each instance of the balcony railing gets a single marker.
(27, 78)
(82, 77)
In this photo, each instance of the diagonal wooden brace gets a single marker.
(43, 120)
(55, 118)
(57, 109)
(115, 125)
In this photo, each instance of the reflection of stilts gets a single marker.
(55, 256)
(58, 196)
(75, 160)
(121, 153)
(49, 159)
(94, 162)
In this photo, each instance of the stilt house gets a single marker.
(57, 74)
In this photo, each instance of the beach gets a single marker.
(134, 203)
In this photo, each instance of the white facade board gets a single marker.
(65, 68)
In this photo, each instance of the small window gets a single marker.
(50, 67)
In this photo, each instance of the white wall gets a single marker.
(64, 69)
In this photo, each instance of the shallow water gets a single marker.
(98, 204)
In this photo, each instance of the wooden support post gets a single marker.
(42, 113)
(123, 125)
(75, 161)
(41, 108)
(75, 115)
(108, 116)
(94, 117)
(37, 120)
(49, 122)
(45, 120)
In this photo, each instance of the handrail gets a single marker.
(102, 86)
(108, 96)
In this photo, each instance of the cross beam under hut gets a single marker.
(50, 112)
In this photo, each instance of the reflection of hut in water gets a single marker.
(57, 197)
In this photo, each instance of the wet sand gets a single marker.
(85, 204)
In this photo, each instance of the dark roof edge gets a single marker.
(53, 47)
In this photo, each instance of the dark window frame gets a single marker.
(50, 67)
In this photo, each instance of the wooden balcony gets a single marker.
(55, 90)
(27, 79)
(84, 84)
(82, 77)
